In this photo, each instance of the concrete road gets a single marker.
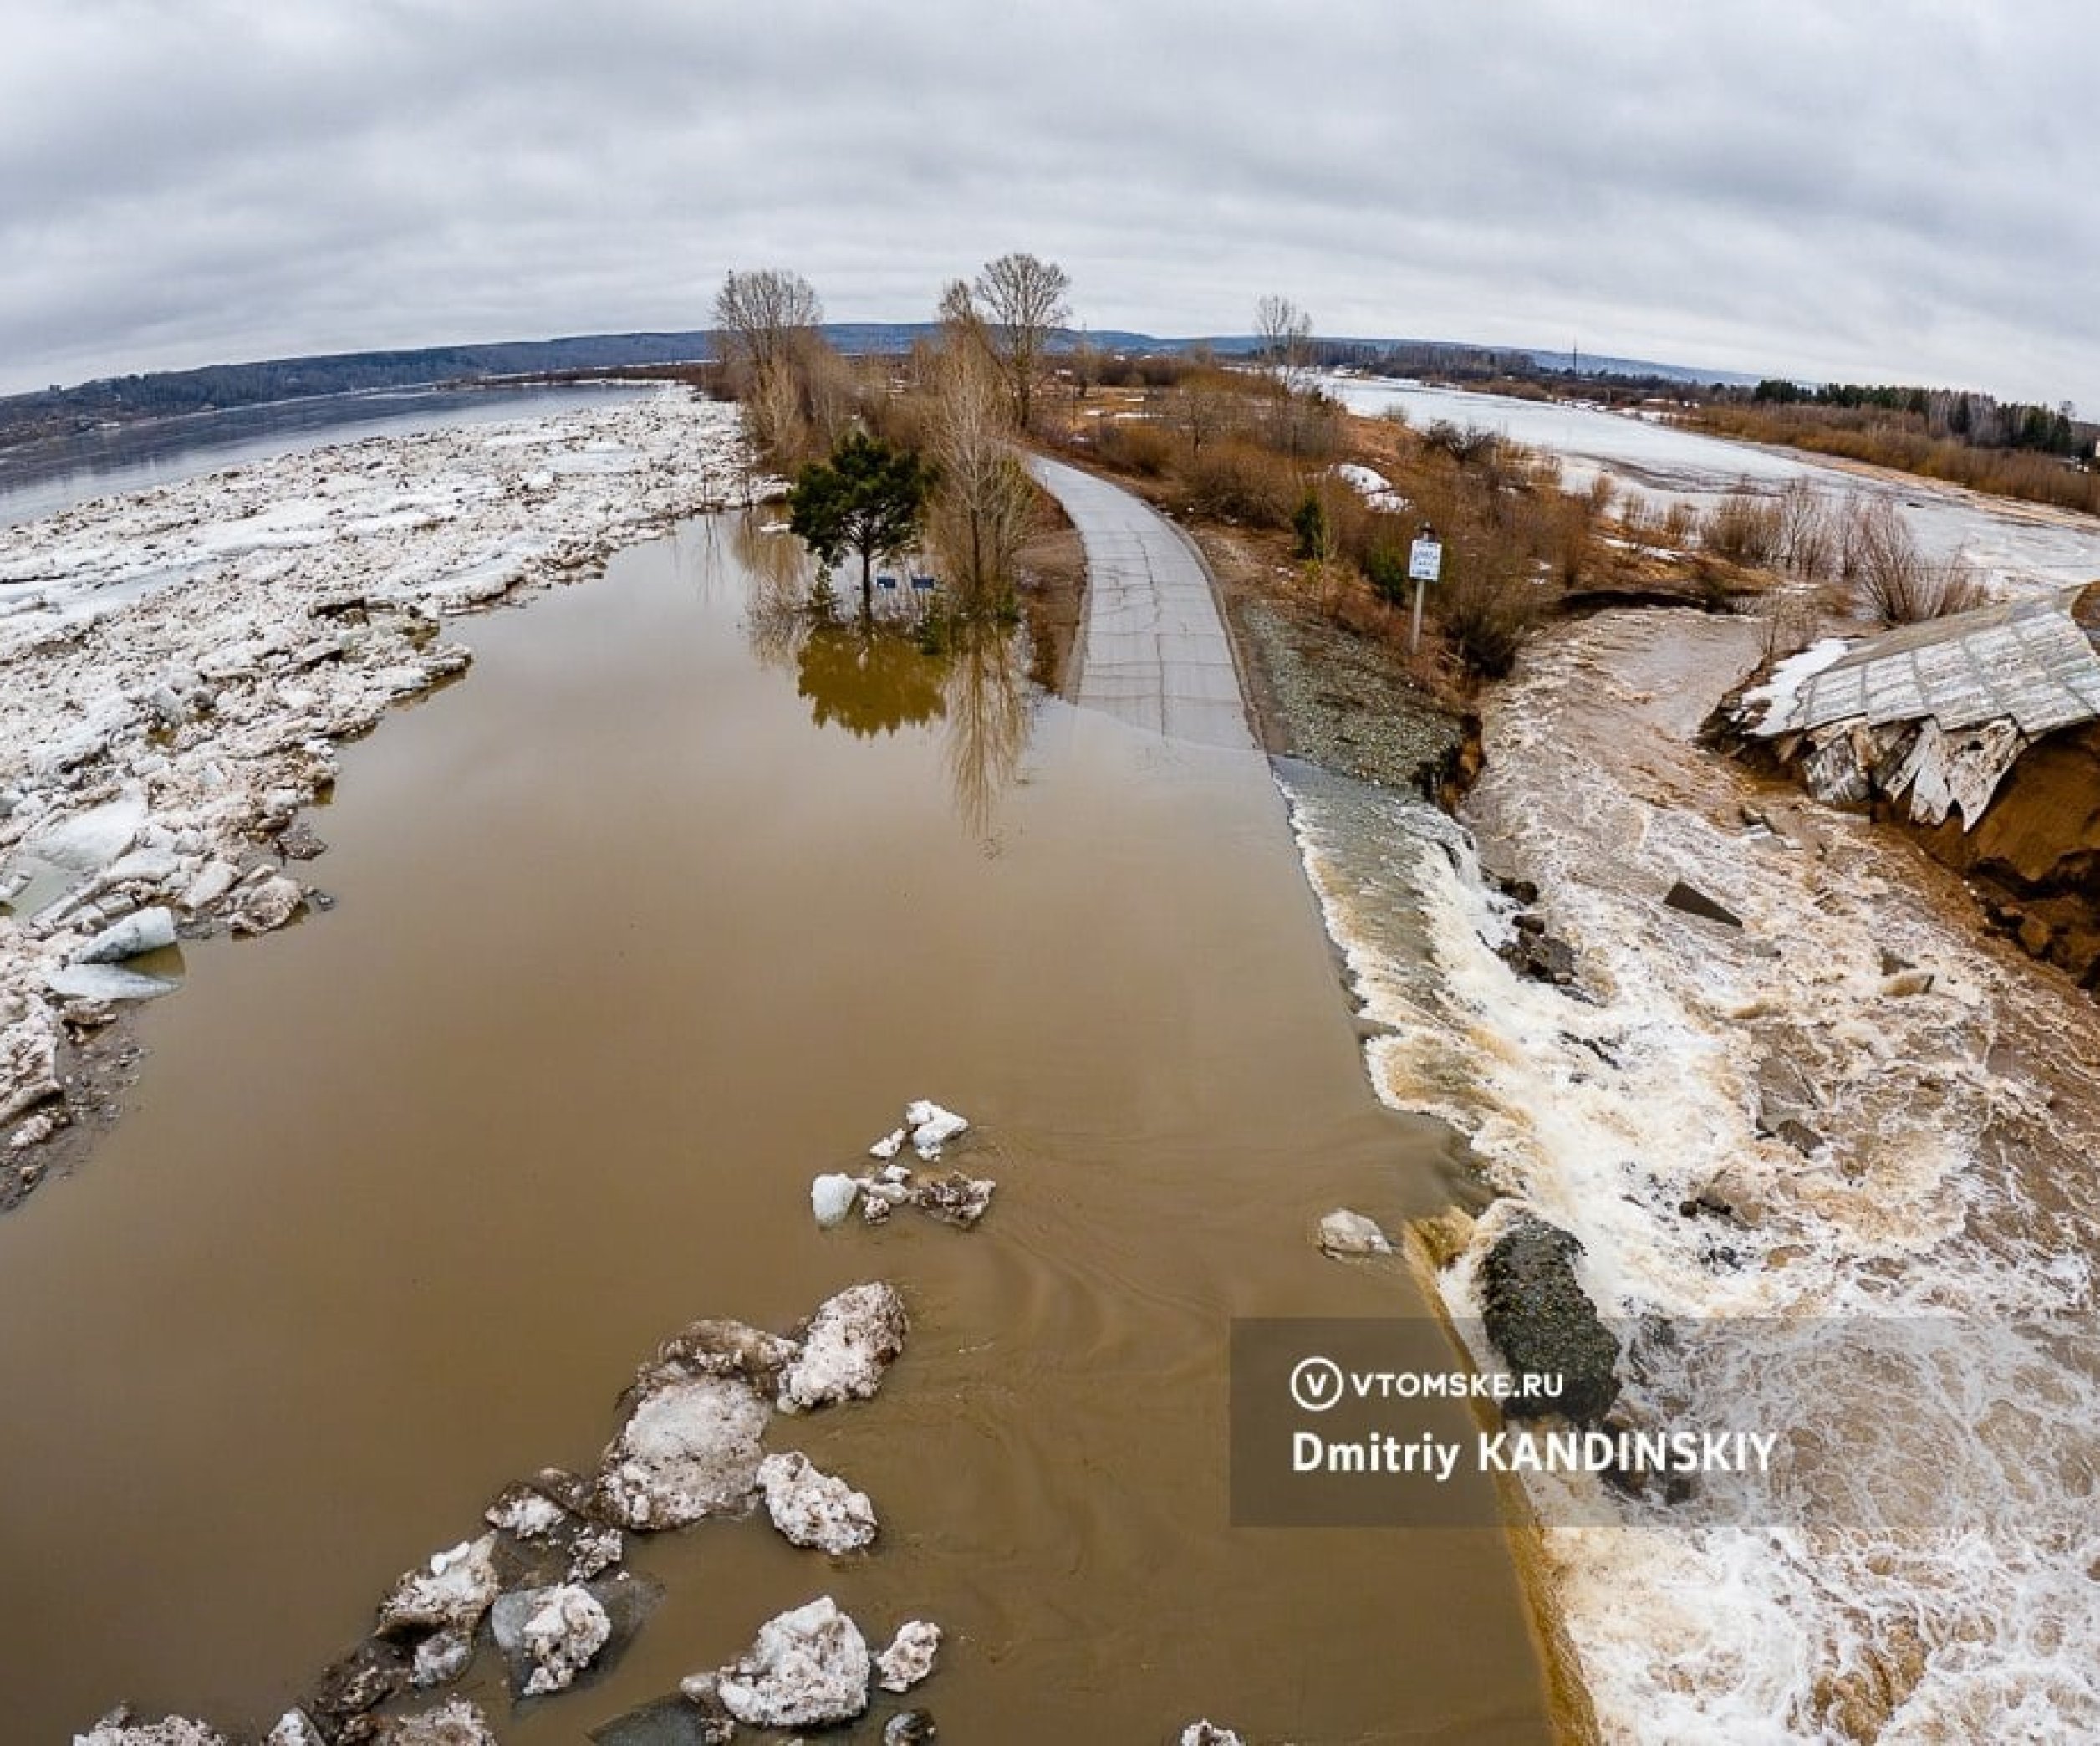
(1152, 650)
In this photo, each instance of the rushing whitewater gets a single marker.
(1904, 1289)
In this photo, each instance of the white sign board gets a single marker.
(1425, 561)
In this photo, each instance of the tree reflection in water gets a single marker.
(987, 717)
(781, 574)
(875, 674)
(869, 676)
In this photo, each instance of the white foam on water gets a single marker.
(1924, 1562)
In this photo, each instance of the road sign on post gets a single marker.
(1424, 564)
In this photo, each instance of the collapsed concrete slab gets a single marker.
(1980, 734)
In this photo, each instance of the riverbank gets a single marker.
(1832, 1096)
(1833, 1104)
(180, 666)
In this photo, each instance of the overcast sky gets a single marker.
(1887, 192)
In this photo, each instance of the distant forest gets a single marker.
(169, 394)
(1974, 419)
(59, 412)
(1932, 430)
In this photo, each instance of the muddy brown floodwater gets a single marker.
(628, 948)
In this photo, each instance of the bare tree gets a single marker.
(1203, 406)
(987, 712)
(1286, 333)
(759, 315)
(1019, 301)
(1899, 584)
(986, 506)
(797, 392)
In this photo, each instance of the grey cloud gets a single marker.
(1881, 189)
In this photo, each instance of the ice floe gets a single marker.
(177, 664)
(809, 1668)
(814, 1509)
(850, 1341)
(909, 1658)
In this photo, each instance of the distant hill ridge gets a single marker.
(165, 394)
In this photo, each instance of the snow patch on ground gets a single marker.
(1778, 692)
(1371, 485)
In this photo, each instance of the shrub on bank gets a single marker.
(1134, 446)
(1239, 480)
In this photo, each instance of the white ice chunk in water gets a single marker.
(88, 841)
(105, 982)
(831, 1198)
(909, 1658)
(932, 1127)
(1344, 1233)
(146, 930)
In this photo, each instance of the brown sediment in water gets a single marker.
(113, 710)
(409, 1187)
(1432, 1243)
(1320, 691)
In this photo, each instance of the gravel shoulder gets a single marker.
(1324, 694)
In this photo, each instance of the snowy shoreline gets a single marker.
(178, 665)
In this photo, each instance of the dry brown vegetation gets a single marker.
(1256, 449)
(1858, 542)
(1259, 450)
(1902, 444)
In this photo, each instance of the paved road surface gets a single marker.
(1152, 650)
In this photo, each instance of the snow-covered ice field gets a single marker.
(177, 664)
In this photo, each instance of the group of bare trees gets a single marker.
(1010, 313)
(799, 396)
(1861, 539)
(962, 400)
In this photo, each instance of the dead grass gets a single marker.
(1052, 569)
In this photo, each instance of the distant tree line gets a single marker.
(169, 394)
(1978, 420)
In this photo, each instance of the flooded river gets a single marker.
(41, 477)
(656, 915)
